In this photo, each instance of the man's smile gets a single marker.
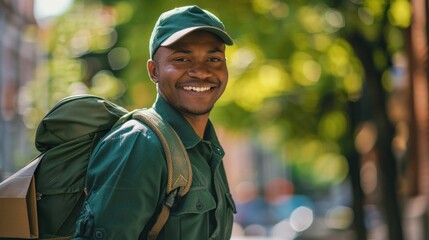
(196, 89)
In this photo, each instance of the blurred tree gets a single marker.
(418, 157)
(376, 38)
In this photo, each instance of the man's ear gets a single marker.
(152, 70)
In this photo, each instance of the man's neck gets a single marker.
(198, 123)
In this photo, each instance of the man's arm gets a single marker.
(125, 184)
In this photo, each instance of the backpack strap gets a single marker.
(178, 164)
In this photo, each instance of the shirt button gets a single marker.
(99, 234)
(199, 205)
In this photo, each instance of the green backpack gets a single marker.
(66, 137)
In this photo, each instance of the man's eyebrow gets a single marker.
(181, 51)
(215, 50)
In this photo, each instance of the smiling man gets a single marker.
(127, 173)
(191, 75)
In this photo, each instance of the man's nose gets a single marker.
(199, 70)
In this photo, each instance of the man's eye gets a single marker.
(214, 60)
(181, 60)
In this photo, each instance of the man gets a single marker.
(127, 173)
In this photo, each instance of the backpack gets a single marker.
(66, 137)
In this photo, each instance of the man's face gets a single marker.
(191, 73)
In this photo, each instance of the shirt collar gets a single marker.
(185, 131)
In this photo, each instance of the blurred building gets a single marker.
(18, 58)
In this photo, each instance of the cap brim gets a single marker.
(178, 35)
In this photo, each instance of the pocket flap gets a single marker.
(196, 201)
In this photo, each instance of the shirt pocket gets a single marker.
(189, 219)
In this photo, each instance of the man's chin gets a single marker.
(197, 111)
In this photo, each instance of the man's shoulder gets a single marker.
(132, 131)
(132, 143)
(131, 127)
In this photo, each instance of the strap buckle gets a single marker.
(171, 198)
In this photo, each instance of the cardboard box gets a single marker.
(18, 218)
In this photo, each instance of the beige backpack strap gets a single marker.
(163, 216)
(178, 164)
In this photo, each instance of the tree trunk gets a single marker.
(389, 202)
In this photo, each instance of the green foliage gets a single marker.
(292, 69)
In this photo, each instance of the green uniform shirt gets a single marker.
(127, 177)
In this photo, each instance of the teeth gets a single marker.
(196, 89)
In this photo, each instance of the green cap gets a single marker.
(176, 23)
